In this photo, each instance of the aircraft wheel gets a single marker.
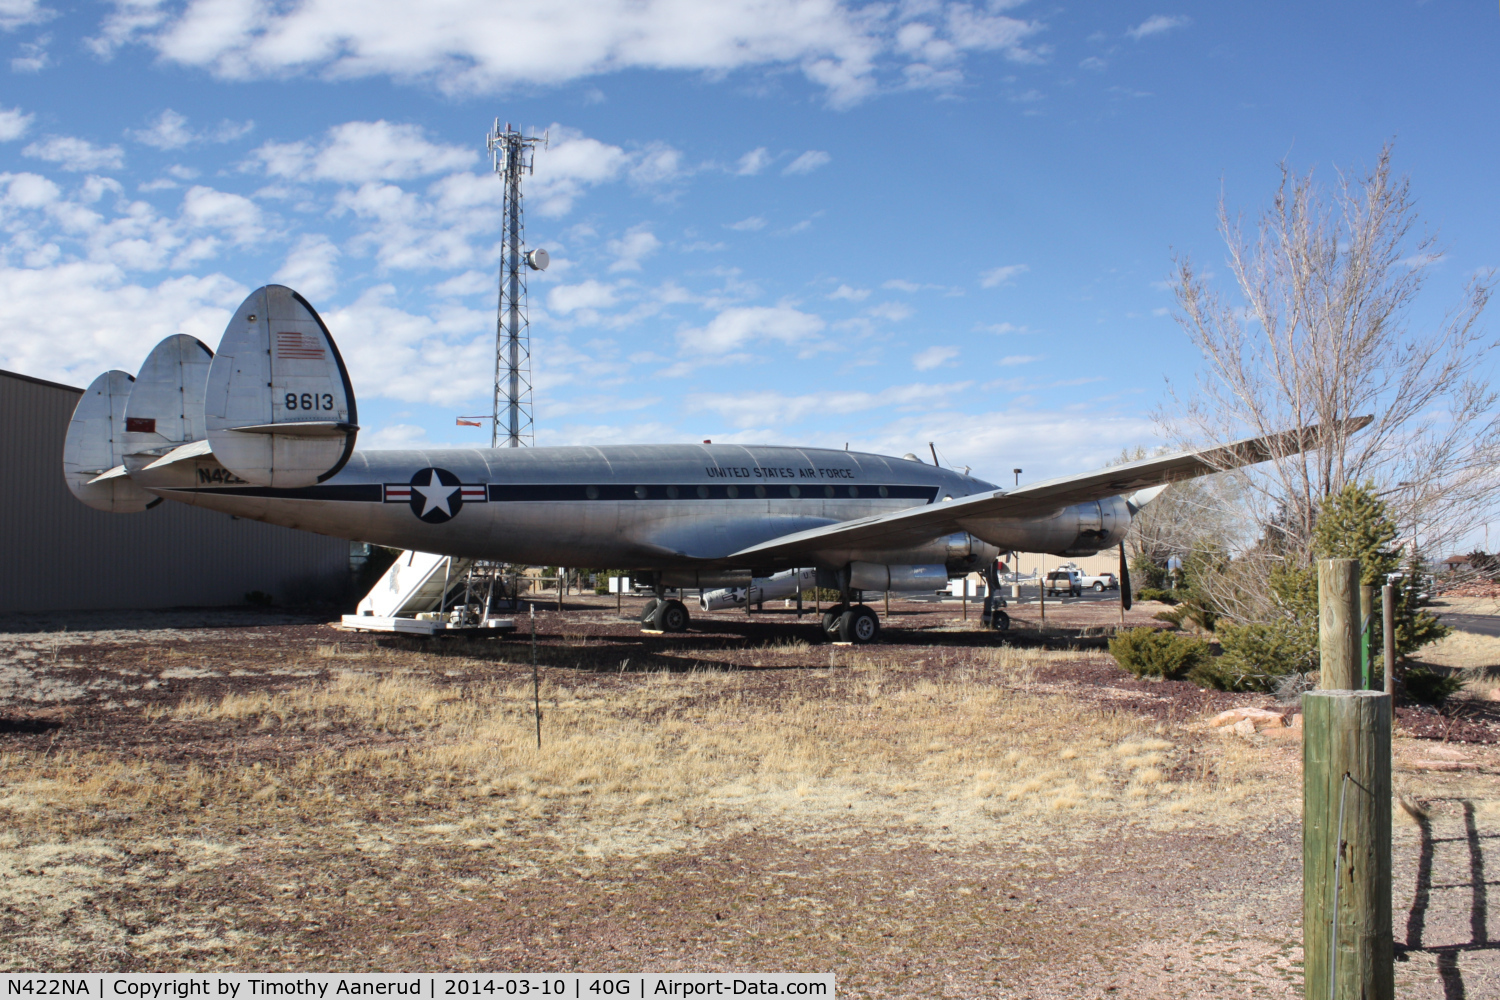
(1098, 588)
(672, 616)
(1000, 621)
(649, 611)
(831, 619)
(859, 625)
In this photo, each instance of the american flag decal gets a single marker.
(295, 344)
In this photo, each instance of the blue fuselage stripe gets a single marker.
(579, 492)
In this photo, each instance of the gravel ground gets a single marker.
(1091, 905)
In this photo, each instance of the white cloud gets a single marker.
(444, 358)
(236, 215)
(933, 357)
(356, 152)
(487, 46)
(72, 153)
(13, 123)
(657, 164)
(1094, 64)
(849, 293)
(33, 57)
(895, 312)
(1003, 328)
(1001, 275)
(807, 162)
(590, 294)
(743, 328)
(571, 163)
(753, 162)
(19, 13)
(395, 436)
(169, 131)
(750, 225)
(1158, 24)
(634, 247)
(750, 409)
(1020, 359)
(467, 283)
(311, 268)
(71, 321)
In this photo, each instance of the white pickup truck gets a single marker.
(1070, 580)
(1099, 584)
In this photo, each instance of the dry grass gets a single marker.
(1463, 651)
(405, 775)
(637, 767)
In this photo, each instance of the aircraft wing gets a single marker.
(919, 524)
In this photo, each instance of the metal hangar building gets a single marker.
(59, 555)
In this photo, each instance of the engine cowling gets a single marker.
(1078, 530)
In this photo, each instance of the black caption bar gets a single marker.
(401, 986)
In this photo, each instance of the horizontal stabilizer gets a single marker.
(196, 449)
(165, 409)
(279, 406)
(93, 452)
(114, 473)
(305, 429)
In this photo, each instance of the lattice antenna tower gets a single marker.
(514, 154)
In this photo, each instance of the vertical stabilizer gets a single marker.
(279, 407)
(165, 409)
(95, 446)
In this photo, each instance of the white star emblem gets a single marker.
(436, 495)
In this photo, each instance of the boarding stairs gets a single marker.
(410, 597)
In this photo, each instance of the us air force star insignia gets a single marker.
(439, 495)
(435, 495)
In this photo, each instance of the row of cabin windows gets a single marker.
(733, 492)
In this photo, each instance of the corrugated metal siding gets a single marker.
(57, 554)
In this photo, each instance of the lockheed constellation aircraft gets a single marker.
(265, 428)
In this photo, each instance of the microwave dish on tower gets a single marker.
(514, 154)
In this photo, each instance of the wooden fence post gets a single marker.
(1366, 644)
(1346, 846)
(1388, 636)
(1338, 624)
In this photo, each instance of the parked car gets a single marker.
(1064, 581)
(1101, 582)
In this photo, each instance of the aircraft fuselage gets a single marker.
(627, 506)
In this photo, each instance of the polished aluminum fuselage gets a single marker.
(628, 506)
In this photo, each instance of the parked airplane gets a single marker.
(266, 429)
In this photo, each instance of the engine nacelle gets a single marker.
(877, 576)
(1079, 530)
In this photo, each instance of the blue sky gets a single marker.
(791, 221)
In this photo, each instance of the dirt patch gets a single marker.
(938, 814)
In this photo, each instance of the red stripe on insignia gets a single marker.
(295, 344)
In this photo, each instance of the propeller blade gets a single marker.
(1124, 579)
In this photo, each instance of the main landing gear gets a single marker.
(992, 616)
(665, 616)
(857, 624)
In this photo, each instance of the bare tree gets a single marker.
(1186, 517)
(1319, 333)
